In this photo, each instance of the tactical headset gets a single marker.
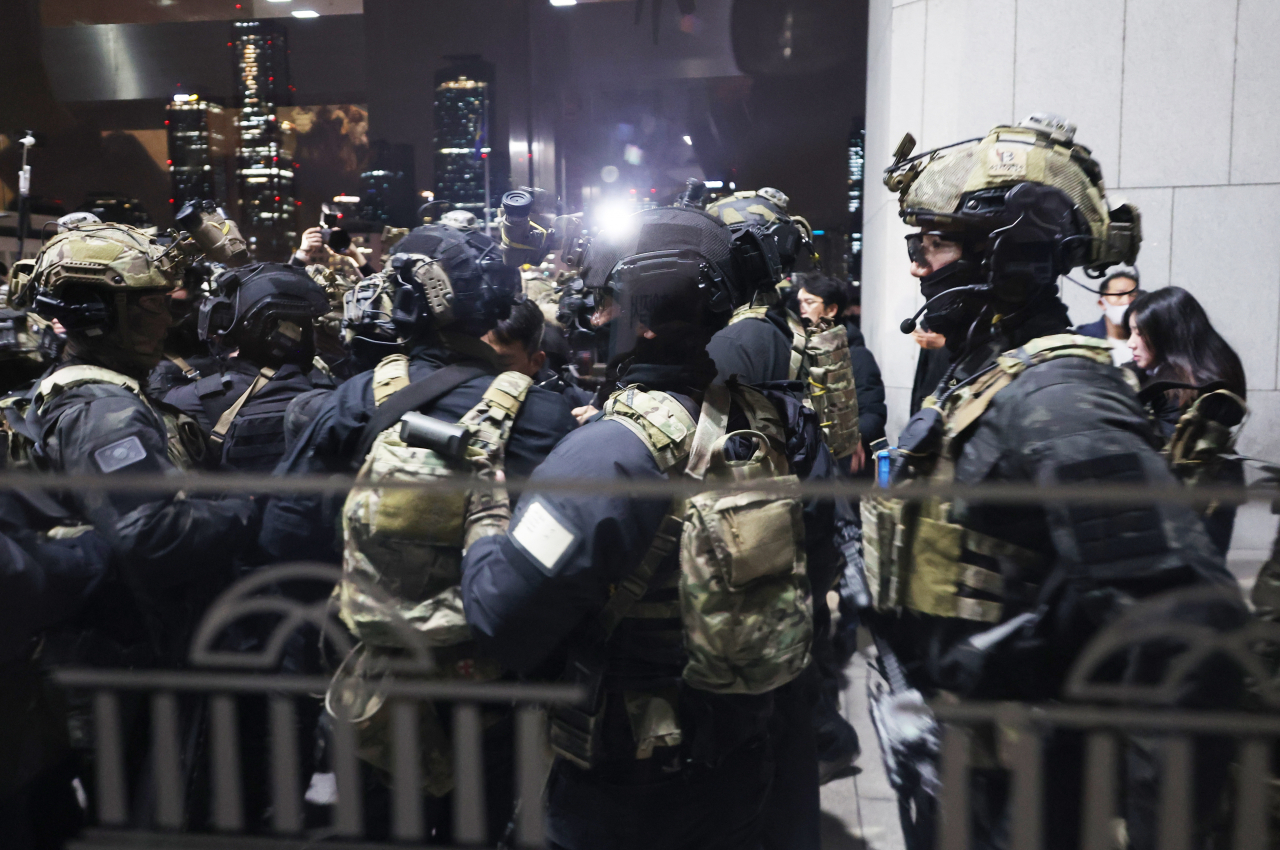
(261, 302)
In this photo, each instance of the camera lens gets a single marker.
(518, 203)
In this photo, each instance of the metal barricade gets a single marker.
(405, 697)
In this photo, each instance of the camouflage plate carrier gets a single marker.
(743, 605)
(915, 557)
(820, 358)
(408, 544)
(832, 392)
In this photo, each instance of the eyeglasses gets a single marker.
(918, 250)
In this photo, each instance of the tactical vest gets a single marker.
(799, 336)
(741, 604)
(248, 430)
(820, 358)
(408, 544)
(915, 557)
(831, 390)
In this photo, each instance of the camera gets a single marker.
(338, 239)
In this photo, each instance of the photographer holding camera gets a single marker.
(321, 242)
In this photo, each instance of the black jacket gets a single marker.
(255, 441)
(298, 527)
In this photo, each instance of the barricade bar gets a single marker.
(312, 485)
(1153, 719)
(202, 681)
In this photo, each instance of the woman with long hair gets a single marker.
(1173, 342)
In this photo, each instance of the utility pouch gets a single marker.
(575, 732)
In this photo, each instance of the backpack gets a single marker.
(409, 542)
(744, 592)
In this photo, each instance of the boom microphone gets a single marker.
(909, 325)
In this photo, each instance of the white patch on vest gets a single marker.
(541, 536)
(120, 454)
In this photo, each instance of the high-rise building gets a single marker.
(264, 158)
(386, 188)
(199, 150)
(464, 121)
(857, 151)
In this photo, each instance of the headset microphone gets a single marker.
(909, 325)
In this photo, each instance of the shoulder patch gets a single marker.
(543, 537)
(120, 454)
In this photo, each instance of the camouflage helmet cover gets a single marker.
(766, 208)
(115, 257)
(936, 189)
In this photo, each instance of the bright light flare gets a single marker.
(688, 140)
(564, 2)
(615, 218)
(305, 13)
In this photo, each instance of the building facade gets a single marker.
(199, 150)
(264, 156)
(464, 174)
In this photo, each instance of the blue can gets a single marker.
(884, 466)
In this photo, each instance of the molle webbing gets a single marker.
(832, 391)
(219, 433)
(916, 558)
(389, 377)
(661, 423)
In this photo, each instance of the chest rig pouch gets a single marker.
(916, 558)
(741, 593)
(831, 390)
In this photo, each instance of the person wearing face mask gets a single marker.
(997, 601)
(1115, 294)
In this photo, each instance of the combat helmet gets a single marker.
(766, 210)
(1026, 203)
(966, 189)
(84, 279)
(268, 311)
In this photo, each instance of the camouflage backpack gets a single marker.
(744, 593)
(831, 390)
(406, 546)
(409, 542)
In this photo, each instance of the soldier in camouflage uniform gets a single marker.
(995, 601)
(662, 757)
(108, 285)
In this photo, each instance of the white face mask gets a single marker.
(1115, 312)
